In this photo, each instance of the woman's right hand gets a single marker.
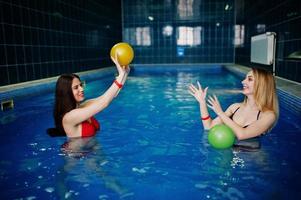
(198, 93)
(122, 70)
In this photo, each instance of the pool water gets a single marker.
(151, 146)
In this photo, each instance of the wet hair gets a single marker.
(64, 99)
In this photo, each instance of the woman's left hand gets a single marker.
(215, 105)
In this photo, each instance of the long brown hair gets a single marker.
(64, 99)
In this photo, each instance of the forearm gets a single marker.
(204, 116)
(123, 79)
(113, 91)
(238, 130)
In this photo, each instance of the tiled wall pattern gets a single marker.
(45, 38)
(180, 31)
(280, 16)
(289, 103)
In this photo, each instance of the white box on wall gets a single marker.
(263, 48)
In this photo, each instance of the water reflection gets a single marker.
(234, 157)
(227, 169)
(84, 163)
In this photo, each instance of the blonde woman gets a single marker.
(249, 119)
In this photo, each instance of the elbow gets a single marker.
(206, 128)
(240, 136)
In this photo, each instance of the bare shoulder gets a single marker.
(87, 103)
(66, 117)
(231, 109)
(234, 106)
(70, 116)
(268, 115)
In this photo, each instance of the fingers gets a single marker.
(197, 91)
(213, 98)
(210, 107)
(213, 101)
(191, 93)
(113, 59)
(214, 104)
(192, 88)
(199, 85)
(116, 56)
(210, 104)
(216, 99)
(127, 69)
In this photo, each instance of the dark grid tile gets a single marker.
(41, 39)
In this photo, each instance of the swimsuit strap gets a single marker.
(258, 114)
(257, 119)
(234, 112)
(231, 117)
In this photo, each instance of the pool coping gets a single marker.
(289, 91)
(290, 87)
(46, 80)
(13, 91)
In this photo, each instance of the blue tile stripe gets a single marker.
(286, 100)
(289, 102)
(34, 88)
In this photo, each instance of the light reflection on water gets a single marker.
(151, 146)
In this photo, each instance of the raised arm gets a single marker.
(200, 95)
(96, 105)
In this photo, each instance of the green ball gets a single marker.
(221, 136)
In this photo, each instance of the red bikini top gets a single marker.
(89, 128)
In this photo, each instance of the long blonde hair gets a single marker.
(265, 91)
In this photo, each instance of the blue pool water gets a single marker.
(151, 146)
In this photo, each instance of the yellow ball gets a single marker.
(125, 53)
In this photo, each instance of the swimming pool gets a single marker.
(151, 145)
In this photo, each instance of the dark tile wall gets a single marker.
(45, 38)
(180, 31)
(280, 16)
